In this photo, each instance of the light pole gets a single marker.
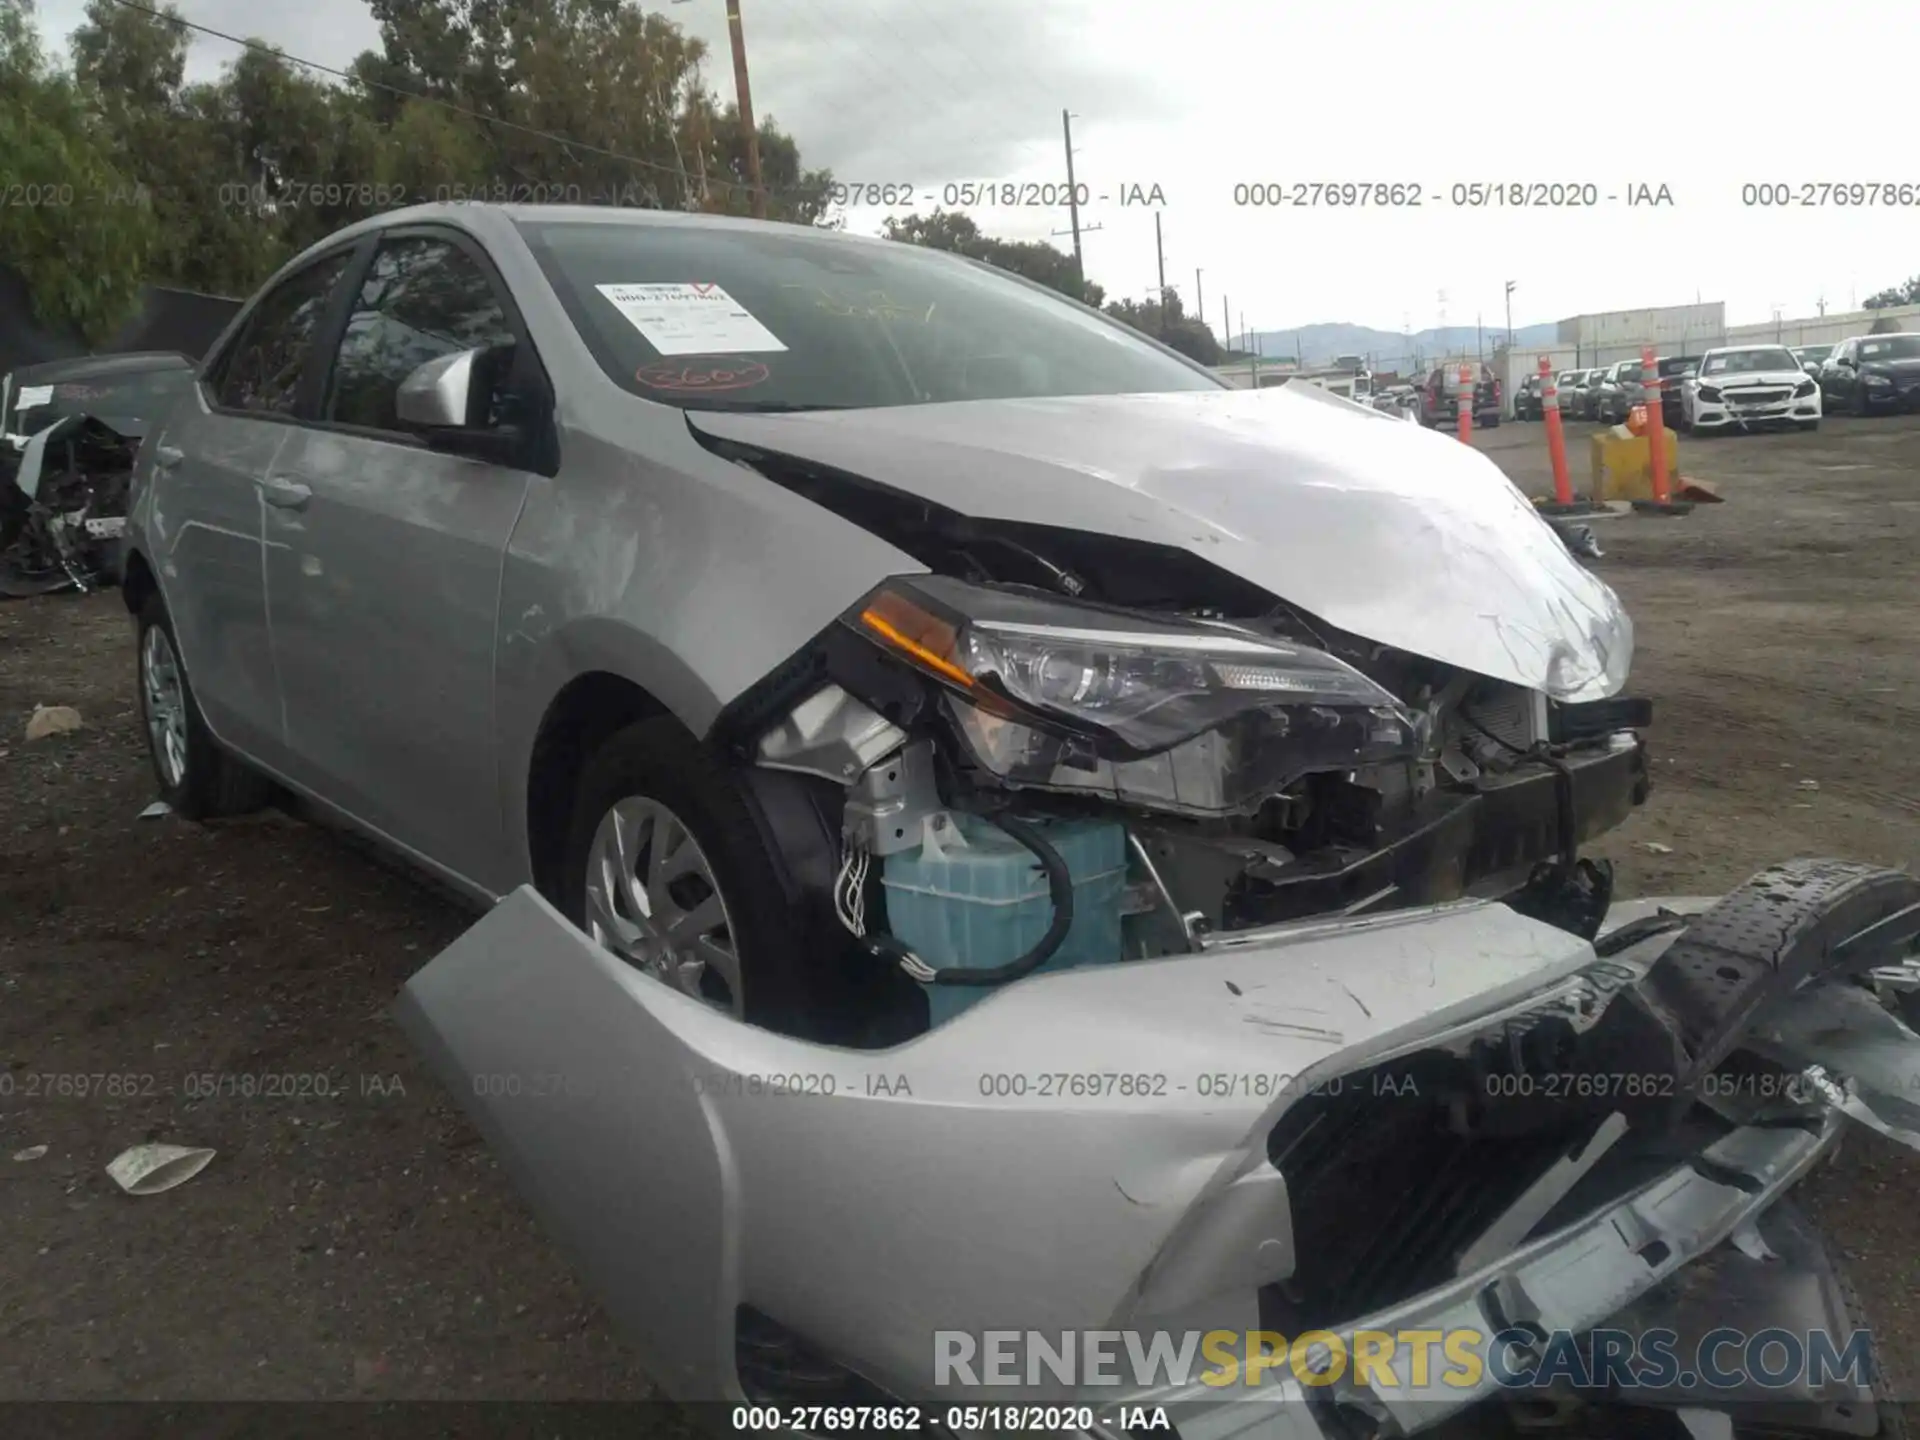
(1509, 316)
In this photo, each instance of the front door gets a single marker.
(383, 572)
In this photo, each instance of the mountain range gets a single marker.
(1319, 344)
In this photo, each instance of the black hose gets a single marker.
(1059, 890)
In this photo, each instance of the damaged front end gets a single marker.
(1029, 778)
(1454, 1118)
(63, 504)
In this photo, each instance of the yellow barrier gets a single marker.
(1622, 463)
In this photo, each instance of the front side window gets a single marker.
(263, 372)
(423, 297)
(713, 317)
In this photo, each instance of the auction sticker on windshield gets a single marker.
(35, 395)
(693, 319)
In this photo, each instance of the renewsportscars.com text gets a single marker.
(1418, 1360)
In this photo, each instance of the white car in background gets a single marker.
(1745, 386)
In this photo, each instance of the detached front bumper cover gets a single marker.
(1062, 1156)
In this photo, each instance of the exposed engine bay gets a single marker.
(1062, 748)
(63, 505)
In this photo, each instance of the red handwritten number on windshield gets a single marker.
(701, 375)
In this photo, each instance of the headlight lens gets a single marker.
(1710, 393)
(1058, 682)
(1876, 379)
(1803, 389)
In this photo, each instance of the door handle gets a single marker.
(168, 456)
(285, 494)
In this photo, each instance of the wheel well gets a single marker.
(137, 583)
(591, 708)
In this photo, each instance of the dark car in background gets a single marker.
(109, 387)
(1529, 402)
(1872, 374)
(1812, 357)
(1440, 397)
(1672, 370)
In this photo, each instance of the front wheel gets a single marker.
(666, 868)
(1860, 405)
(197, 779)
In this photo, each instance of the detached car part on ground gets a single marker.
(938, 634)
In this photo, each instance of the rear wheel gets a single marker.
(197, 779)
(666, 868)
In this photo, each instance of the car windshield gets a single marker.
(718, 318)
(1814, 352)
(1676, 365)
(139, 394)
(1891, 347)
(1748, 362)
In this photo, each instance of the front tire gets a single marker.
(197, 779)
(665, 867)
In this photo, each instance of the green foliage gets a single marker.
(1907, 294)
(1035, 259)
(76, 228)
(1168, 322)
(239, 174)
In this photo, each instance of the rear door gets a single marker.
(212, 453)
(383, 567)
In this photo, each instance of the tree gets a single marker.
(463, 98)
(77, 229)
(1907, 294)
(1166, 320)
(956, 231)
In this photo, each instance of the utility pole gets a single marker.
(1199, 300)
(1073, 208)
(1509, 316)
(1073, 200)
(739, 36)
(1226, 322)
(1160, 255)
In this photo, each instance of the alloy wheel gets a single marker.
(653, 900)
(165, 700)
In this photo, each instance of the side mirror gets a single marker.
(440, 400)
(439, 394)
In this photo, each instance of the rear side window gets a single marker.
(423, 298)
(262, 372)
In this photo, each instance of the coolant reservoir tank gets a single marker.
(972, 896)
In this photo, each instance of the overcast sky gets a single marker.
(1206, 95)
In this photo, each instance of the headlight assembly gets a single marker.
(1184, 715)
(1709, 393)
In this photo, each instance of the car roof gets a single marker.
(83, 367)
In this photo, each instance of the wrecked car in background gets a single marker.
(69, 432)
(802, 643)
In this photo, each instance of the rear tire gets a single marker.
(196, 777)
(656, 763)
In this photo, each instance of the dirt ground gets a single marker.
(359, 1242)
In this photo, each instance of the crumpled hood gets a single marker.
(1396, 534)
